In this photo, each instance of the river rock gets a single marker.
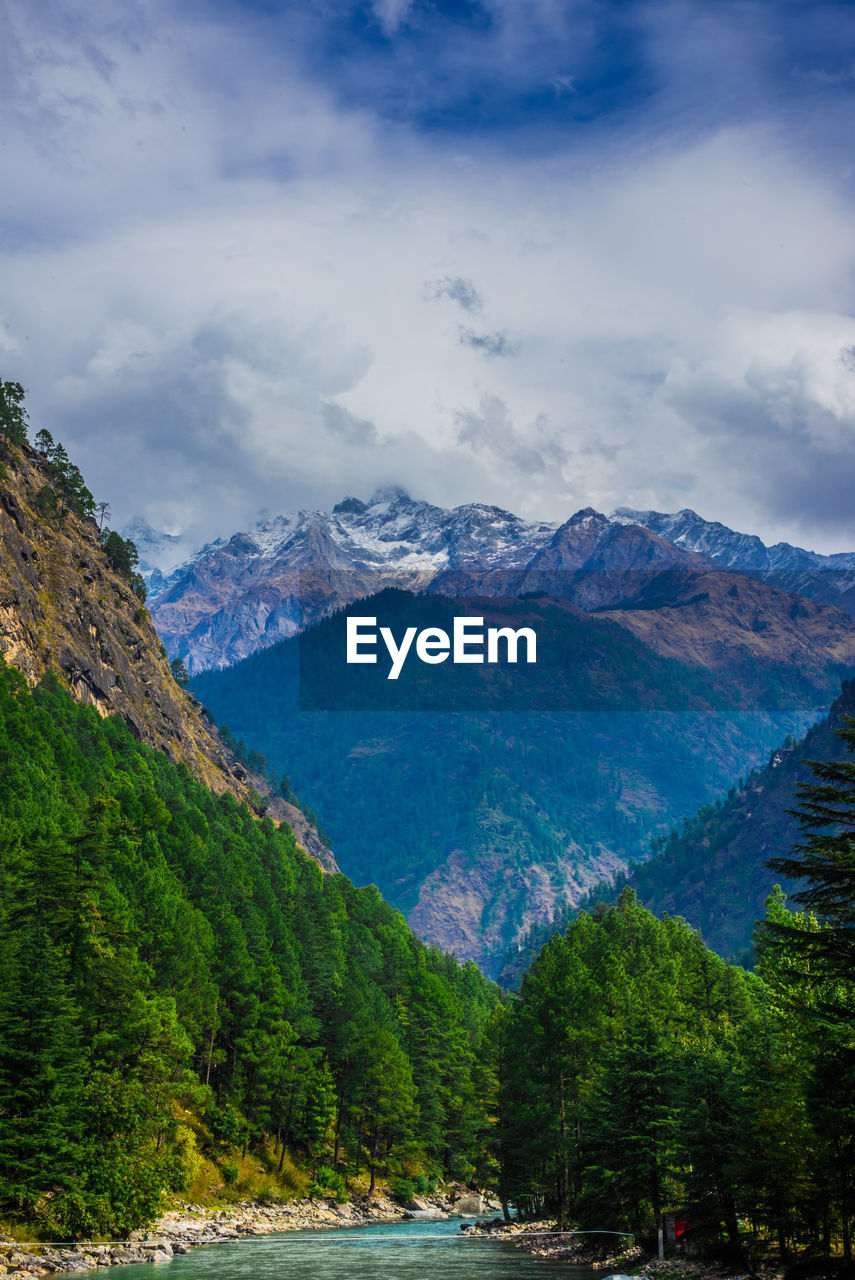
(122, 1254)
(469, 1204)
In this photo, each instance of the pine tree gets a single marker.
(826, 860)
(41, 1069)
(13, 415)
(44, 442)
(629, 1124)
(179, 671)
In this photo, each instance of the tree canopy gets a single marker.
(163, 950)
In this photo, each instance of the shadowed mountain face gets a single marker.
(480, 822)
(713, 870)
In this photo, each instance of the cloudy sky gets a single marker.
(546, 254)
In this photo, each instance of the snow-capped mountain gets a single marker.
(830, 579)
(237, 596)
(243, 594)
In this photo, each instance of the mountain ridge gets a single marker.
(477, 820)
(712, 871)
(65, 609)
(238, 595)
(826, 578)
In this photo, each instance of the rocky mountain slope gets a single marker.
(712, 870)
(827, 578)
(64, 609)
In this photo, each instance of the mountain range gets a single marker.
(482, 824)
(239, 595)
(830, 578)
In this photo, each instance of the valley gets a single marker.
(197, 1001)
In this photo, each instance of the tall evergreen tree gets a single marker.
(13, 415)
(825, 859)
(42, 1065)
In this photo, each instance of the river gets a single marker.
(401, 1251)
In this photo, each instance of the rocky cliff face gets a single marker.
(64, 609)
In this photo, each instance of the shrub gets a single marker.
(403, 1189)
(329, 1185)
(269, 1193)
(183, 1163)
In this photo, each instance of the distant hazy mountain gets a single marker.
(160, 553)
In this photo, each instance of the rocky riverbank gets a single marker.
(188, 1226)
(543, 1240)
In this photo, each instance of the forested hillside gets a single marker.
(72, 602)
(639, 1073)
(177, 976)
(712, 869)
(167, 955)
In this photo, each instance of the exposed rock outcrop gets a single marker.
(64, 609)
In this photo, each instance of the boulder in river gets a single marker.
(469, 1204)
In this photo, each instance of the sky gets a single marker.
(547, 255)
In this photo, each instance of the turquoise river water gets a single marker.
(403, 1251)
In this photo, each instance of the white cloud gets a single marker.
(215, 290)
(391, 13)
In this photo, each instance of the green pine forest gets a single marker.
(167, 955)
(639, 1072)
(190, 1006)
